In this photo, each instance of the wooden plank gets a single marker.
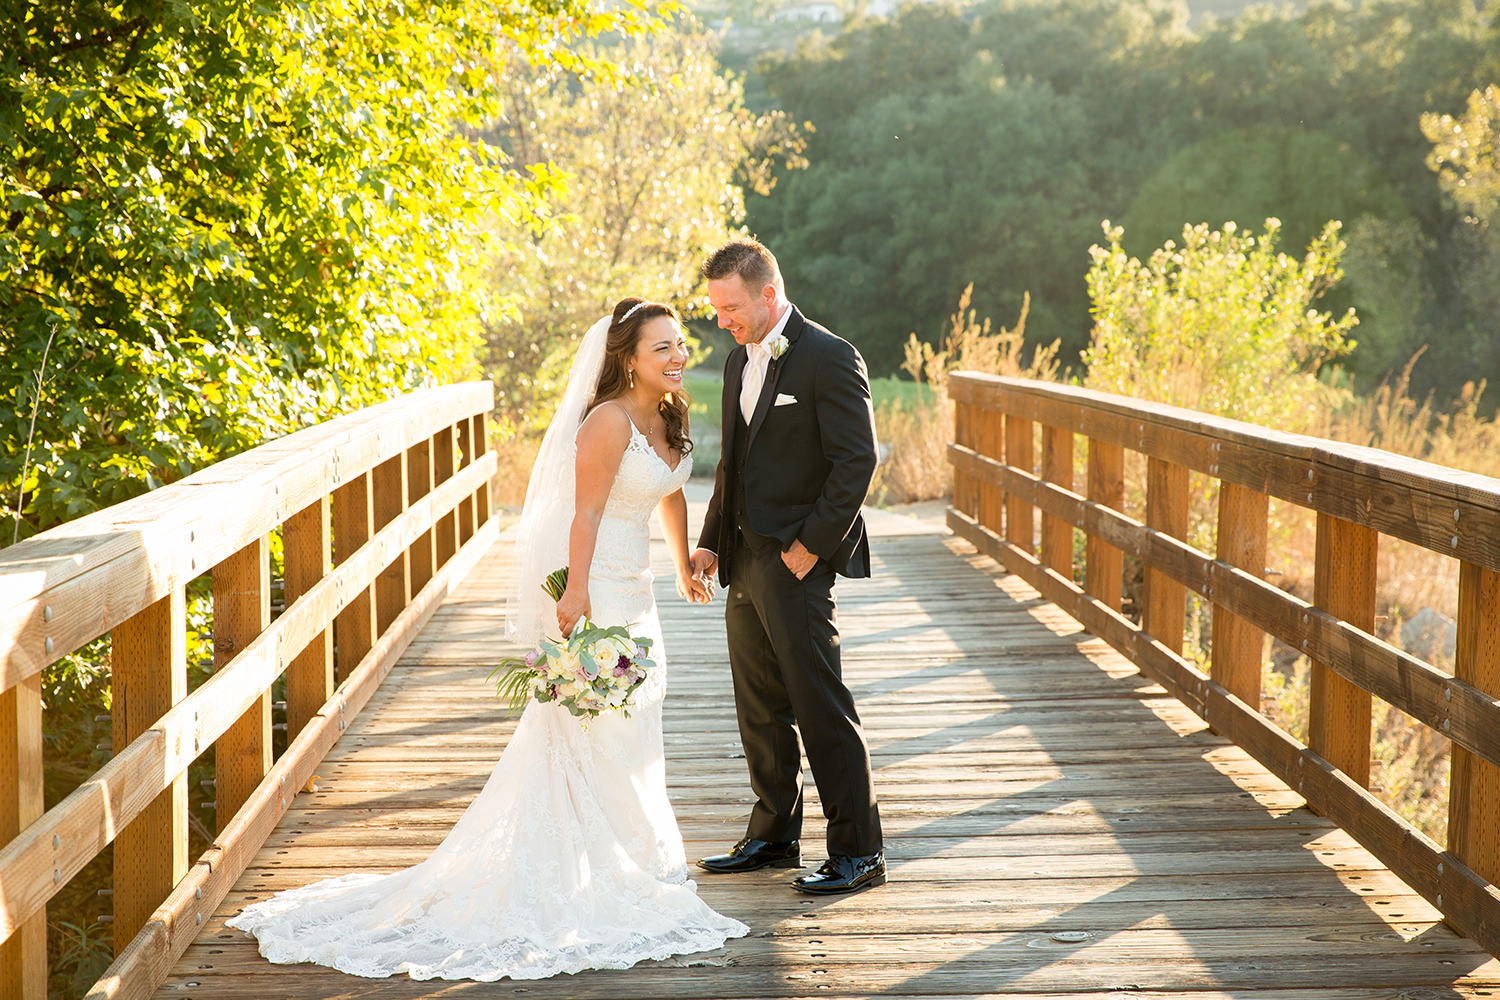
(306, 545)
(354, 629)
(1019, 449)
(242, 611)
(1467, 899)
(388, 498)
(23, 955)
(1238, 646)
(1165, 611)
(467, 509)
(445, 532)
(482, 510)
(144, 961)
(1474, 792)
(136, 552)
(420, 557)
(1344, 586)
(1057, 468)
(148, 671)
(1466, 715)
(57, 846)
(1104, 564)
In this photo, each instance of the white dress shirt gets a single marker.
(757, 361)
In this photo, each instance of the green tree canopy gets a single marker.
(229, 218)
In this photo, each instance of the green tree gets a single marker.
(649, 179)
(1223, 322)
(230, 218)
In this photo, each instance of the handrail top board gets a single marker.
(1372, 463)
(101, 568)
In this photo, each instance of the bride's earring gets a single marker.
(630, 377)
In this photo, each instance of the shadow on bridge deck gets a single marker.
(1056, 826)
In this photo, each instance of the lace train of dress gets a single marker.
(568, 859)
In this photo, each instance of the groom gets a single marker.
(798, 454)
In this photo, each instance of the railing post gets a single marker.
(1104, 565)
(148, 668)
(1474, 792)
(393, 587)
(23, 955)
(309, 677)
(965, 487)
(466, 507)
(242, 611)
(354, 627)
(1020, 448)
(1165, 611)
(1237, 644)
(1344, 586)
(418, 485)
(481, 445)
(989, 442)
(1057, 468)
(445, 531)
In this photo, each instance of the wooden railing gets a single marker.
(380, 513)
(1358, 495)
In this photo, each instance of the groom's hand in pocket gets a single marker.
(798, 559)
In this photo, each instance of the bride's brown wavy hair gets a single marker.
(619, 345)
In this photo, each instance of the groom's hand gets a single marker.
(798, 559)
(704, 563)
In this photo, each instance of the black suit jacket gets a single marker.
(810, 459)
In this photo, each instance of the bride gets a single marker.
(570, 858)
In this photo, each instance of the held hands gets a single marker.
(704, 565)
(695, 589)
(573, 605)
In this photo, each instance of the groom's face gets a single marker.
(745, 314)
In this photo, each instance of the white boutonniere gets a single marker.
(776, 346)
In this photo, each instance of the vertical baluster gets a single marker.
(23, 955)
(1344, 586)
(354, 627)
(1165, 611)
(309, 677)
(418, 485)
(1020, 528)
(388, 498)
(1104, 565)
(481, 445)
(965, 489)
(445, 532)
(991, 445)
(148, 675)
(242, 611)
(1057, 468)
(1474, 798)
(465, 459)
(1237, 644)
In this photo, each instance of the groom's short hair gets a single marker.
(748, 258)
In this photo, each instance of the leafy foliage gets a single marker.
(1223, 323)
(236, 217)
(649, 179)
(1022, 123)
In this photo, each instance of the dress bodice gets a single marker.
(644, 478)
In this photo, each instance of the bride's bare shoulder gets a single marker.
(605, 431)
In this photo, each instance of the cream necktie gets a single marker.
(753, 378)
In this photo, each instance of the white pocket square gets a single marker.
(784, 399)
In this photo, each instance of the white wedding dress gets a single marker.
(569, 859)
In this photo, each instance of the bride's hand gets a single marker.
(695, 589)
(573, 605)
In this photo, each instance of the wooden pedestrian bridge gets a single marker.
(1074, 808)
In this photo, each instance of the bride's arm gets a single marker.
(601, 445)
(673, 514)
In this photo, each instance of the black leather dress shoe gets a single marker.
(750, 855)
(842, 873)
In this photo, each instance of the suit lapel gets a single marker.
(793, 333)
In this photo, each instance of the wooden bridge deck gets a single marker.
(1056, 827)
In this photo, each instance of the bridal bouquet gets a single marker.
(596, 669)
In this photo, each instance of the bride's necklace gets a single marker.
(634, 412)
